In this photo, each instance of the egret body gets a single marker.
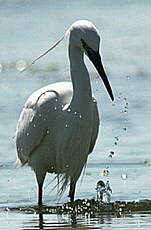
(59, 123)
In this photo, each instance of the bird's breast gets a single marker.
(74, 127)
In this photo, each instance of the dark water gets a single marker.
(27, 29)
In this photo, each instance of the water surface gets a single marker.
(27, 29)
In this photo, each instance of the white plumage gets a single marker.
(59, 123)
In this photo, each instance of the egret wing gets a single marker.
(33, 124)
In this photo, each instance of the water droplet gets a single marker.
(75, 112)
(111, 154)
(56, 99)
(18, 149)
(117, 138)
(66, 126)
(44, 119)
(80, 116)
(124, 176)
(21, 65)
(69, 110)
(40, 115)
(94, 100)
(128, 77)
(62, 106)
(31, 119)
(55, 108)
(21, 149)
(48, 132)
(105, 172)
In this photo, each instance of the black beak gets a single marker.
(96, 60)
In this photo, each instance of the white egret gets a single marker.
(59, 123)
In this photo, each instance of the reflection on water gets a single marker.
(62, 222)
(127, 214)
(73, 221)
(52, 221)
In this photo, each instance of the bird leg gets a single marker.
(40, 194)
(41, 222)
(72, 190)
(40, 180)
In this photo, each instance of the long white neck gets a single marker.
(80, 77)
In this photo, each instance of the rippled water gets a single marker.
(123, 147)
(106, 222)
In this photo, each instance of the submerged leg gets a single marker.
(41, 222)
(72, 190)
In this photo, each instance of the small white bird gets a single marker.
(59, 123)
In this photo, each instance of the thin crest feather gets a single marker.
(47, 51)
(51, 48)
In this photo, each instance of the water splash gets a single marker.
(103, 191)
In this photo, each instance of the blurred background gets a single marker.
(28, 28)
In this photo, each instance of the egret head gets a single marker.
(84, 30)
(84, 35)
